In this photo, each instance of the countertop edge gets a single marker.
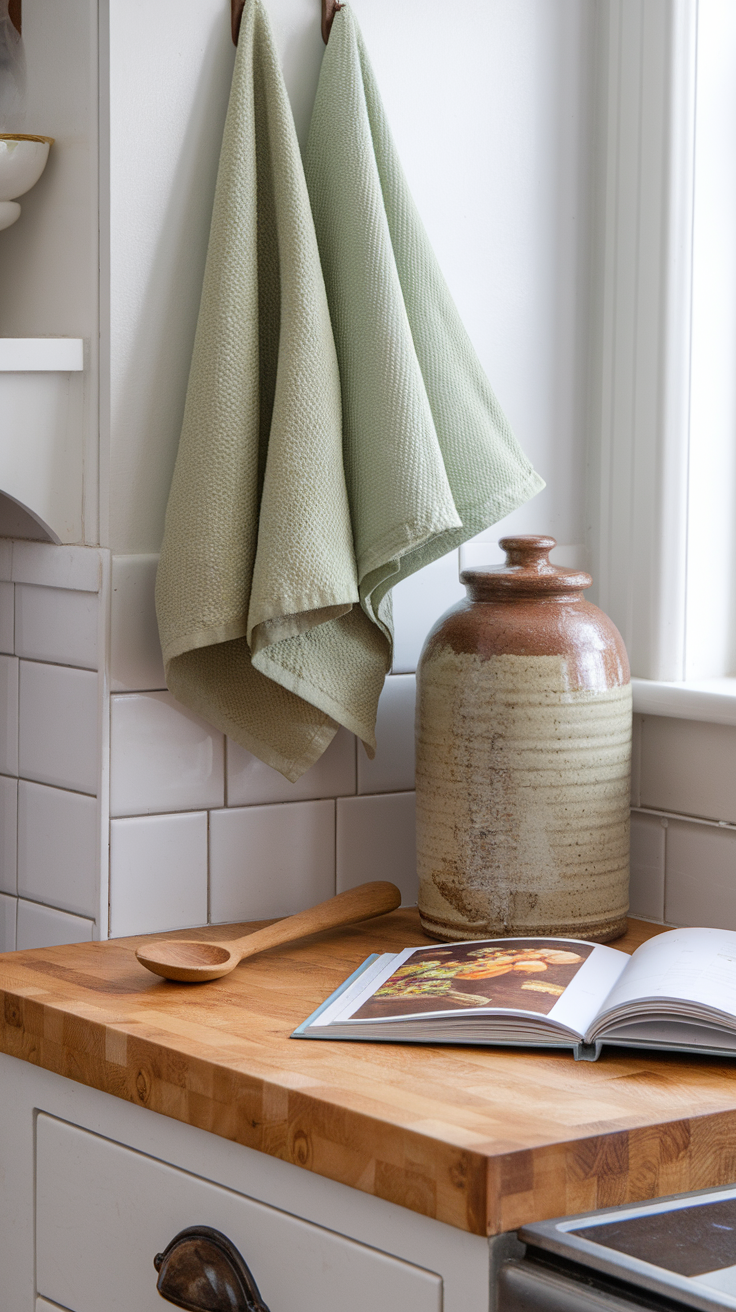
(480, 1192)
(416, 1171)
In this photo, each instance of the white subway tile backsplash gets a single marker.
(78, 568)
(268, 861)
(392, 768)
(8, 715)
(700, 886)
(376, 840)
(45, 927)
(6, 560)
(417, 602)
(250, 782)
(8, 916)
(688, 766)
(136, 663)
(636, 760)
(56, 624)
(163, 757)
(267, 847)
(58, 849)
(646, 888)
(158, 873)
(7, 618)
(8, 834)
(59, 740)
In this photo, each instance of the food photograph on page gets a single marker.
(531, 977)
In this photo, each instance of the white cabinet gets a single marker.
(92, 1187)
(103, 1212)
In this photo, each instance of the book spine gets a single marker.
(587, 1051)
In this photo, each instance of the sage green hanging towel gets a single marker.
(269, 627)
(429, 457)
(257, 585)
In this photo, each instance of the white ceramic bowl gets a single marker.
(9, 212)
(22, 161)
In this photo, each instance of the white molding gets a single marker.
(640, 411)
(102, 928)
(41, 355)
(713, 700)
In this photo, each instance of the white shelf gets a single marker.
(41, 354)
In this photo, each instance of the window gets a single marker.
(663, 411)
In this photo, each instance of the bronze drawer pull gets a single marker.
(202, 1271)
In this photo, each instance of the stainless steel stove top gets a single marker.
(675, 1252)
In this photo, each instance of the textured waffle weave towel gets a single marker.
(430, 459)
(258, 592)
(257, 582)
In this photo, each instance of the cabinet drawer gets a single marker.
(103, 1211)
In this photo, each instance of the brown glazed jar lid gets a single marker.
(527, 572)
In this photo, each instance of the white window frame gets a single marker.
(641, 475)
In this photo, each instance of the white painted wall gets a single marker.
(169, 71)
(491, 112)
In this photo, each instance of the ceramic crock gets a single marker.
(523, 758)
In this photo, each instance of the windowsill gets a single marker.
(713, 700)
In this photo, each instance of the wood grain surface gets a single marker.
(484, 1140)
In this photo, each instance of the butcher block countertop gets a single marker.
(484, 1140)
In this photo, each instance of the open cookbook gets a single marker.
(677, 991)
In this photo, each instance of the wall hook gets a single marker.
(236, 13)
(329, 9)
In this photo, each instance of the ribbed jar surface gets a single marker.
(522, 799)
(523, 759)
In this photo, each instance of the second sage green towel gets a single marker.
(257, 589)
(430, 459)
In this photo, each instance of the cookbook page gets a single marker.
(564, 980)
(691, 965)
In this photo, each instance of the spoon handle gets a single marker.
(355, 904)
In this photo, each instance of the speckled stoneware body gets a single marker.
(523, 758)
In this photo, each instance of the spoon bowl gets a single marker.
(174, 956)
(192, 961)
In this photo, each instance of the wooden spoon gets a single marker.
(194, 961)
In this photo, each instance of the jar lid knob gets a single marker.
(528, 551)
